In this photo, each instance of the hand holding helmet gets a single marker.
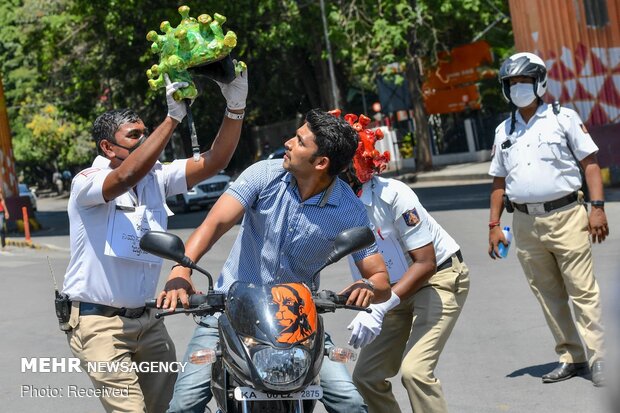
(235, 92)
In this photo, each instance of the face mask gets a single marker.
(522, 94)
(133, 148)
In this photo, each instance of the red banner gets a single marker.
(8, 178)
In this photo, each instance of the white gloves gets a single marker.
(235, 92)
(367, 326)
(176, 110)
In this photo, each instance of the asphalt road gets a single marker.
(492, 362)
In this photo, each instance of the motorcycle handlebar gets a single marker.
(212, 300)
(325, 301)
(328, 301)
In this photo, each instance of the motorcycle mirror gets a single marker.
(170, 247)
(349, 241)
(165, 245)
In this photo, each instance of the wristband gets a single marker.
(494, 224)
(369, 283)
(388, 305)
(179, 265)
(235, 116)
(598, 203)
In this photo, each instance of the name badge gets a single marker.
(126, 226)
(392, 253)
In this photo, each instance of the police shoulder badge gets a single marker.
(411, 217)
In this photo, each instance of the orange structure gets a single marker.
(580, 43)
(8, 178)
(450, 85)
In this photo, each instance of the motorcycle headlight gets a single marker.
(281, 367)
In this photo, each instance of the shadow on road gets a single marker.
(439, 198)
(448, 198)
(475, 196)
(539, 370)
(534, 371)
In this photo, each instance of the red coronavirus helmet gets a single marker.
(367, 161)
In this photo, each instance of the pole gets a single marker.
(26, 224)
(330, 62)
(192, 132)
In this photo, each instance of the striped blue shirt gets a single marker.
(281, 238)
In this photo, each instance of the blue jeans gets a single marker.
(192, 391)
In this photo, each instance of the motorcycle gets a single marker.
(272, 339)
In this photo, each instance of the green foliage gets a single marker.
(54, 140)
(64, 62)
(378, 33)
(407, 146)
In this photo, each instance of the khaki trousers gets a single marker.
(555, 253)
(425, 320)
(125, 340)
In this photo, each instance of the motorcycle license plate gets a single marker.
(250, 394)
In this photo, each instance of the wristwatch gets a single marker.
(235, 116)
(599, 204)
(369, 283)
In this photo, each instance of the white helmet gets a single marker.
(524, 64)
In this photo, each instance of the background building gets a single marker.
(580, 43)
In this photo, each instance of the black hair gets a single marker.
(335, 139)
(106, 125)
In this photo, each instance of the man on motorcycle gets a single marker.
(292, 212)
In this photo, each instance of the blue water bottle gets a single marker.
(503, 249)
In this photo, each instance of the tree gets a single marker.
(374, 34)
(81, 58)
(85, 57)
(53, 143)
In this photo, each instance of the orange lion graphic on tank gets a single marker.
(295, 313)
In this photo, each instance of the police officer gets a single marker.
(536, 159)
(430, 283)
(108, 278)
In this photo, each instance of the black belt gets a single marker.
(551, 205)
(107, 311)
(448, 263)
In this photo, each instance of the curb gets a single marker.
(26, 244)
(413, 178)
(456, 178)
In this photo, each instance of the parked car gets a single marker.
(25, 191)
(277, 154)
(203, 195)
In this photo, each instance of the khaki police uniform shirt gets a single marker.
(92, 276)
(535, 159)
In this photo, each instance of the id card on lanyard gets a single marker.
(126, 225)
(392, 253)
